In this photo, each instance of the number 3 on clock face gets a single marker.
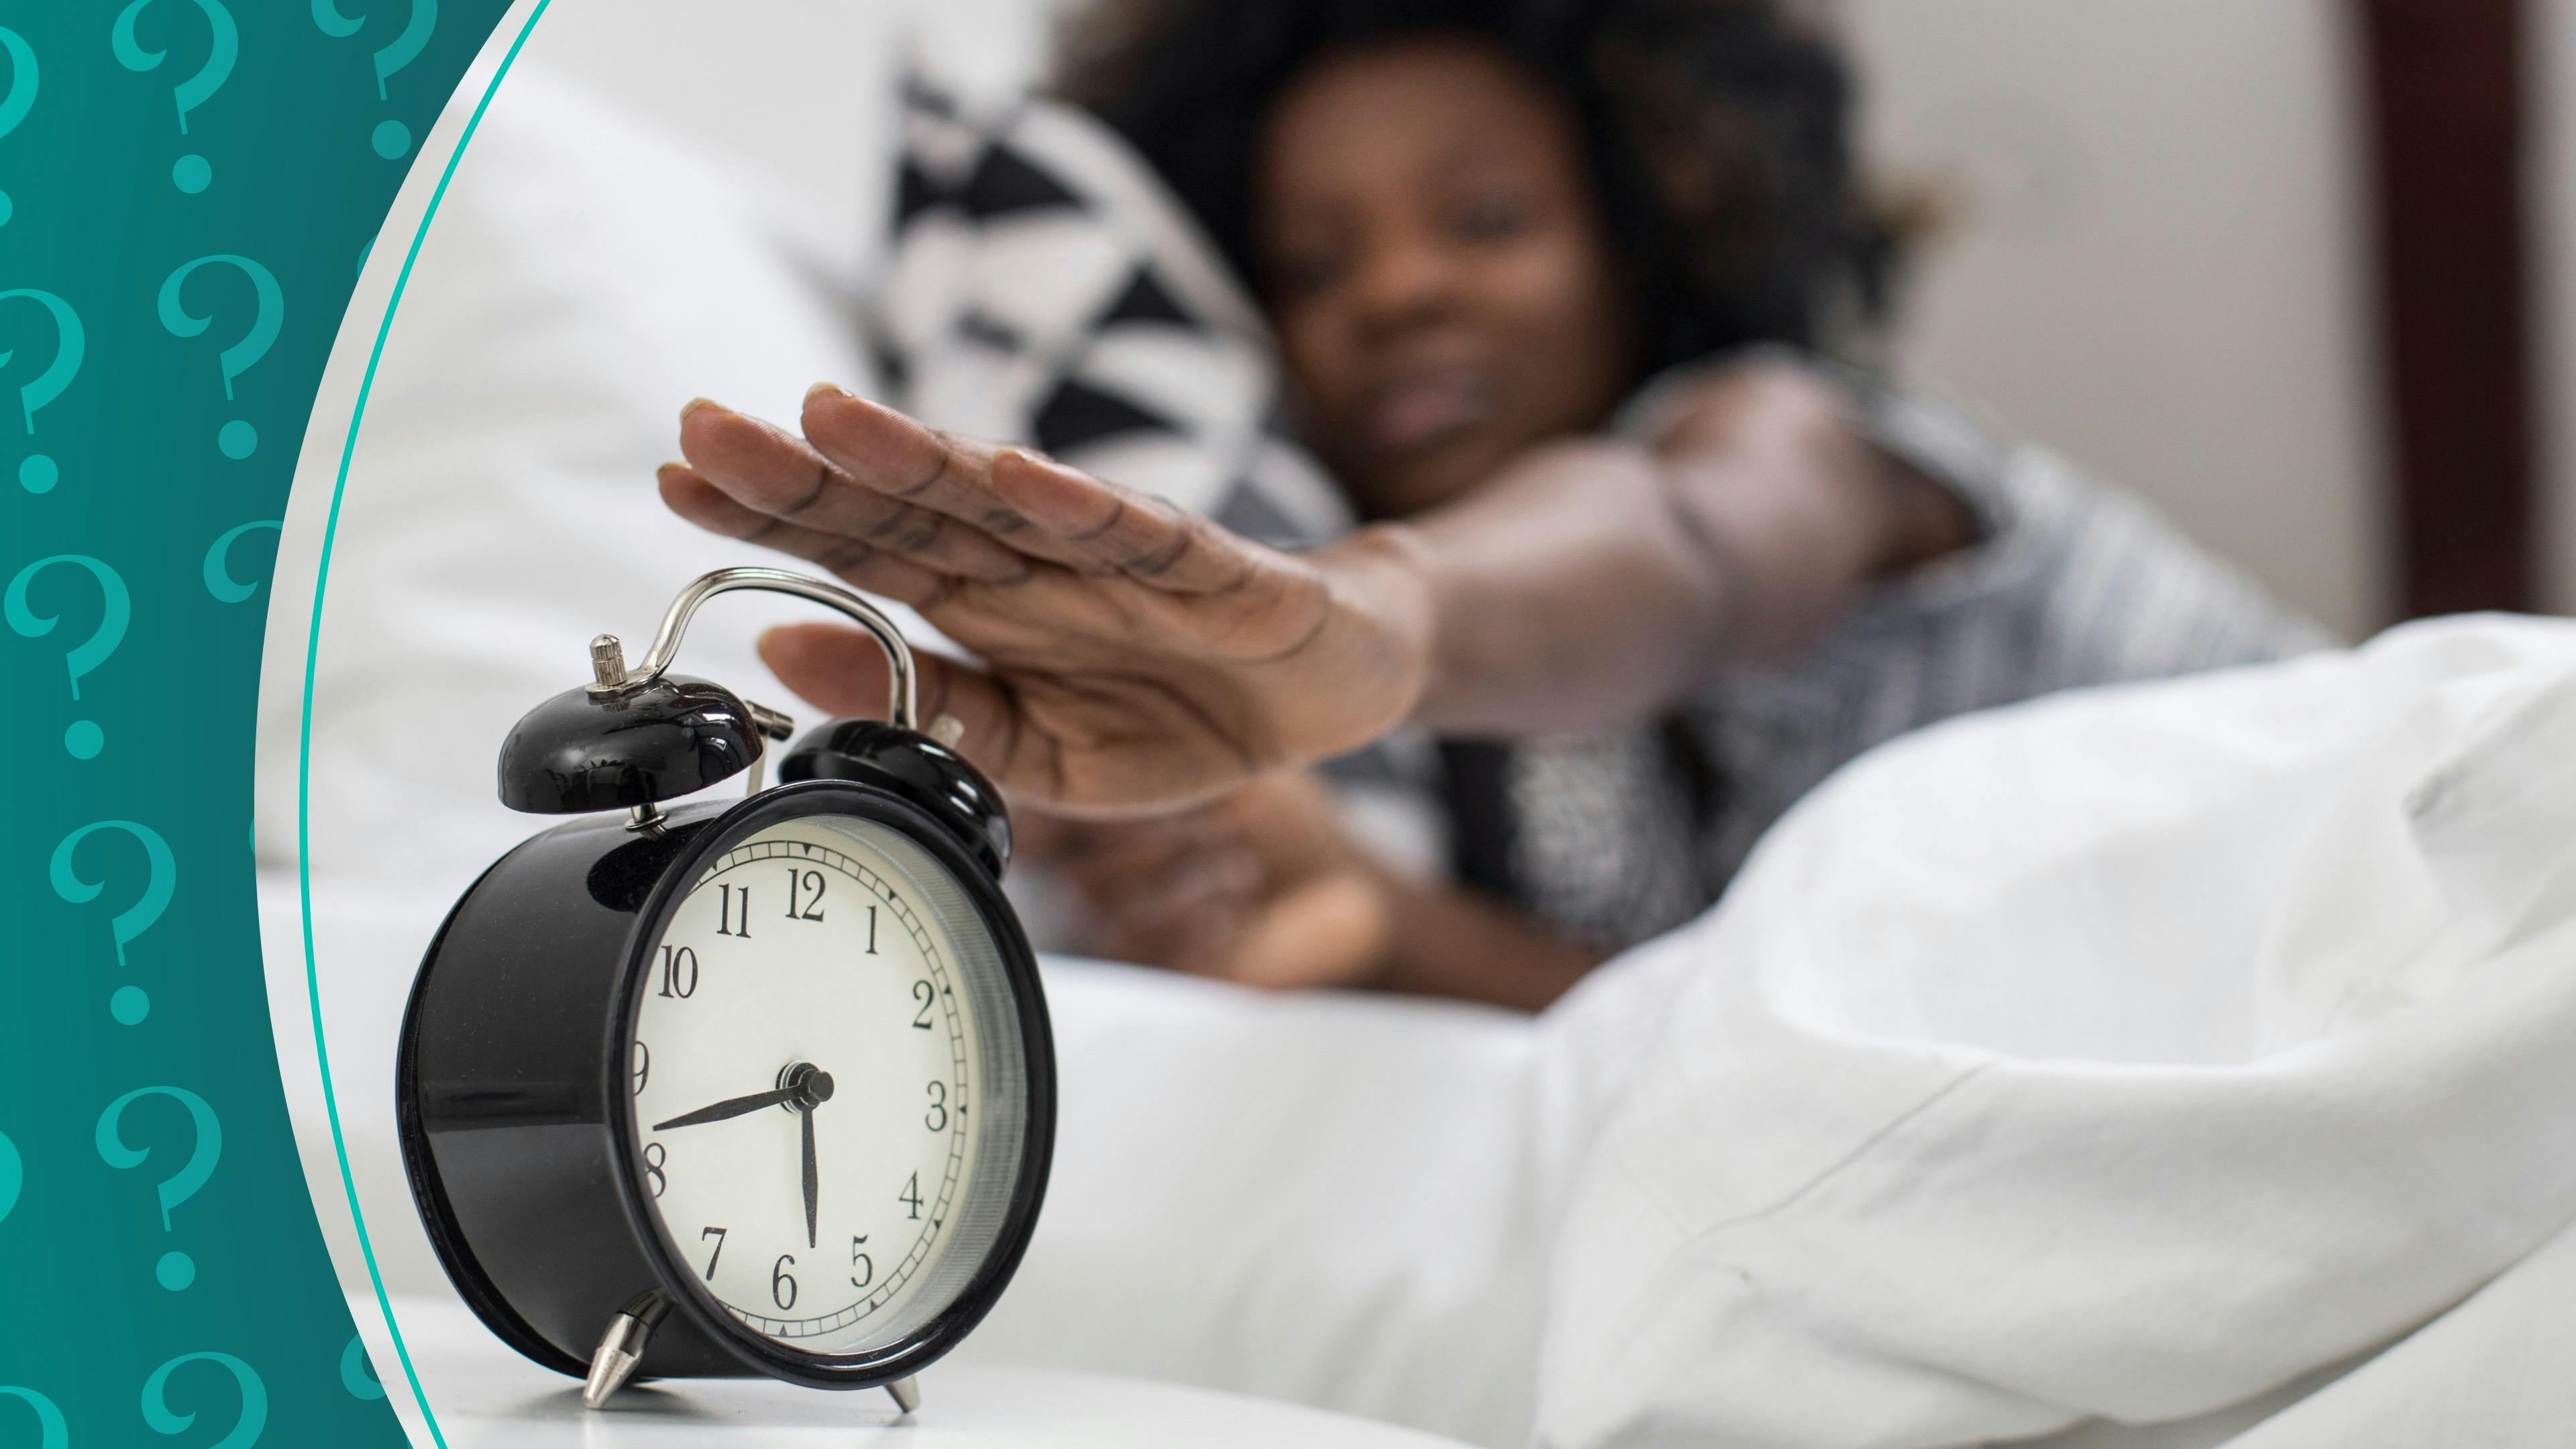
(807, 1078)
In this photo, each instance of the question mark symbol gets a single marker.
(128, 1005)
(176, 1270)
(391, 138)
(237, 438)
(219, 578)
(51, 1431)
(21, 98)
(13, 1176)
(254, 1397)
(38, 474)
(358, 1372)
(192, 172)
(84, 739)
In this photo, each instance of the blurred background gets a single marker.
(2297, 270)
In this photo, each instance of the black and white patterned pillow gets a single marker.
(1043, 288)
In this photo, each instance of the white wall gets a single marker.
(801, 88)
(2161, 268)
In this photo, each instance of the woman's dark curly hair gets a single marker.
(1718, 132)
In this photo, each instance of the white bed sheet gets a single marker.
(1322, 1199)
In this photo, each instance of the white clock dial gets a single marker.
(809, 1082)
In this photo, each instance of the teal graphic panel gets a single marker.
(187, 189)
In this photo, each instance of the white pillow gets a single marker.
(586, 275)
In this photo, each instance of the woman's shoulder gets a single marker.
(2072, 581)
(2116, 590)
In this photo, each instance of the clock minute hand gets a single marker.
(732, 1107)
(811, 1184)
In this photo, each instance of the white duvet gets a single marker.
(2127, 1065)
(2127, 1056)
(2147, 1067)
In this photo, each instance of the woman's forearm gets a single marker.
(1444, 941)
(1597, 582)
(1566, 596)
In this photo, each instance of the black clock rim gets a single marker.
(933, 1340)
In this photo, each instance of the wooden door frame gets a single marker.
(2444, 87)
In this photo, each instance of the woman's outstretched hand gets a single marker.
(1132, 656)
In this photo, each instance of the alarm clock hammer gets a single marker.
(714, 1088)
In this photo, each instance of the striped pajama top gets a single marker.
(1616, 838)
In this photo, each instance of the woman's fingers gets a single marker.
(1033, 504)
(1122, 560)
(905, 461)
(843, 670)
(1141, 536)
(863, 566)
(777, 476)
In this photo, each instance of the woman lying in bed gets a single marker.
(1647, 585)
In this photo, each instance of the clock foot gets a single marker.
(907, 1394)
(621, 1348)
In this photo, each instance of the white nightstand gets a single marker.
(487, 1397)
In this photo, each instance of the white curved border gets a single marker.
(295, 603)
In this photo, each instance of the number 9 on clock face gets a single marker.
(809, 1064)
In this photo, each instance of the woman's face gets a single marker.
(1436, 268)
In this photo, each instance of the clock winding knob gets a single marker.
(607, 663)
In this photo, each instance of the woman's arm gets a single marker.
(1599, 581)
(1133, 656)
(1453, 942)
(1265, 887)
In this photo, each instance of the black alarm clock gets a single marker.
(733, 1088)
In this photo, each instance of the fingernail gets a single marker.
(695, 403)
(820, 388)
(1046, 502)
(1034, 458)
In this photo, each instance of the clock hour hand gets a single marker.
(808, 1086)
(733, 1107)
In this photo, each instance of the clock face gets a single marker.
(809, 1067)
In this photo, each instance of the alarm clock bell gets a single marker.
(631, 739)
